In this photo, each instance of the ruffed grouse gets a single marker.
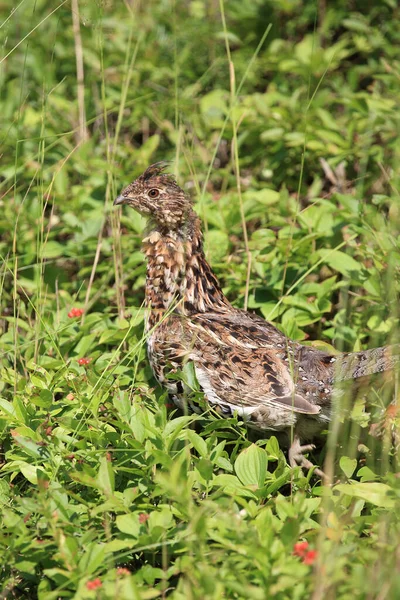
(243, 364)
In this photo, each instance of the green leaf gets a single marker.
(173, 427)
(84, 344)
(216, 244)
(129, 524)
(105, 476)
(46, 397)
(232, 486)
(366, 474)
(123, 404)
(161, 518)
(4, 492)
(344, 263)
(213, 107)
(375, 493)
(272, 447)
(348, 465)
(205, 468)
(251, 466)
(198, 442)
(265, 196)
(30, 446)
(223, 463)
(189, 377)
(93, 558)
(7, 408)
(29, 472)
(25, 566)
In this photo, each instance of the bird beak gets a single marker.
(119, 200)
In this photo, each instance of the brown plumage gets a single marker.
(242, 363)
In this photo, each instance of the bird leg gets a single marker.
(296, 457)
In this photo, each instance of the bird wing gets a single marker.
(234, 369)
(241, 328)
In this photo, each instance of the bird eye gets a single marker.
(154, 193)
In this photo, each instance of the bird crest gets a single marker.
(156, 170)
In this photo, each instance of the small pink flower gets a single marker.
(84, 361)
(143, 517)
(94, 584)
(123, 571)
(75, 312)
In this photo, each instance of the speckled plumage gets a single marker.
(242, 363)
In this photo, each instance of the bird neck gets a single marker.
(179, 277)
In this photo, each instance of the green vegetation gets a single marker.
(98, 477)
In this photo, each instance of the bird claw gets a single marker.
(297, 458)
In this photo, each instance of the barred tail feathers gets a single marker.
(367, 362)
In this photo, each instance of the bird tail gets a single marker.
(367, 362)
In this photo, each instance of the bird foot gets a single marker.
(297, 458)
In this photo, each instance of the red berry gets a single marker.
(300, 549)
(310, 557)
(75, 312)
(84, 361)
(94, 584)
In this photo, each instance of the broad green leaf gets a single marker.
(174, 426)
(29, 472)
(161, 518)
(251, 466)
(223, 463)
(348, 465)
(344, 263)
(123, 404)
(51, 249)
(105, 476)
(84, 345)
(4, 492)
(205, 468)
(129, 524)
(7, 408)
(46, 397)
(93, 558)
(265, 196)
(30, 446)
(373, 492)
(198, 442)
(118, 545)
(272, 447)
(25, 566)
(366, 474)
(214, 106)
(232, 486)
(216, 244)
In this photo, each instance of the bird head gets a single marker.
(156, 195)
